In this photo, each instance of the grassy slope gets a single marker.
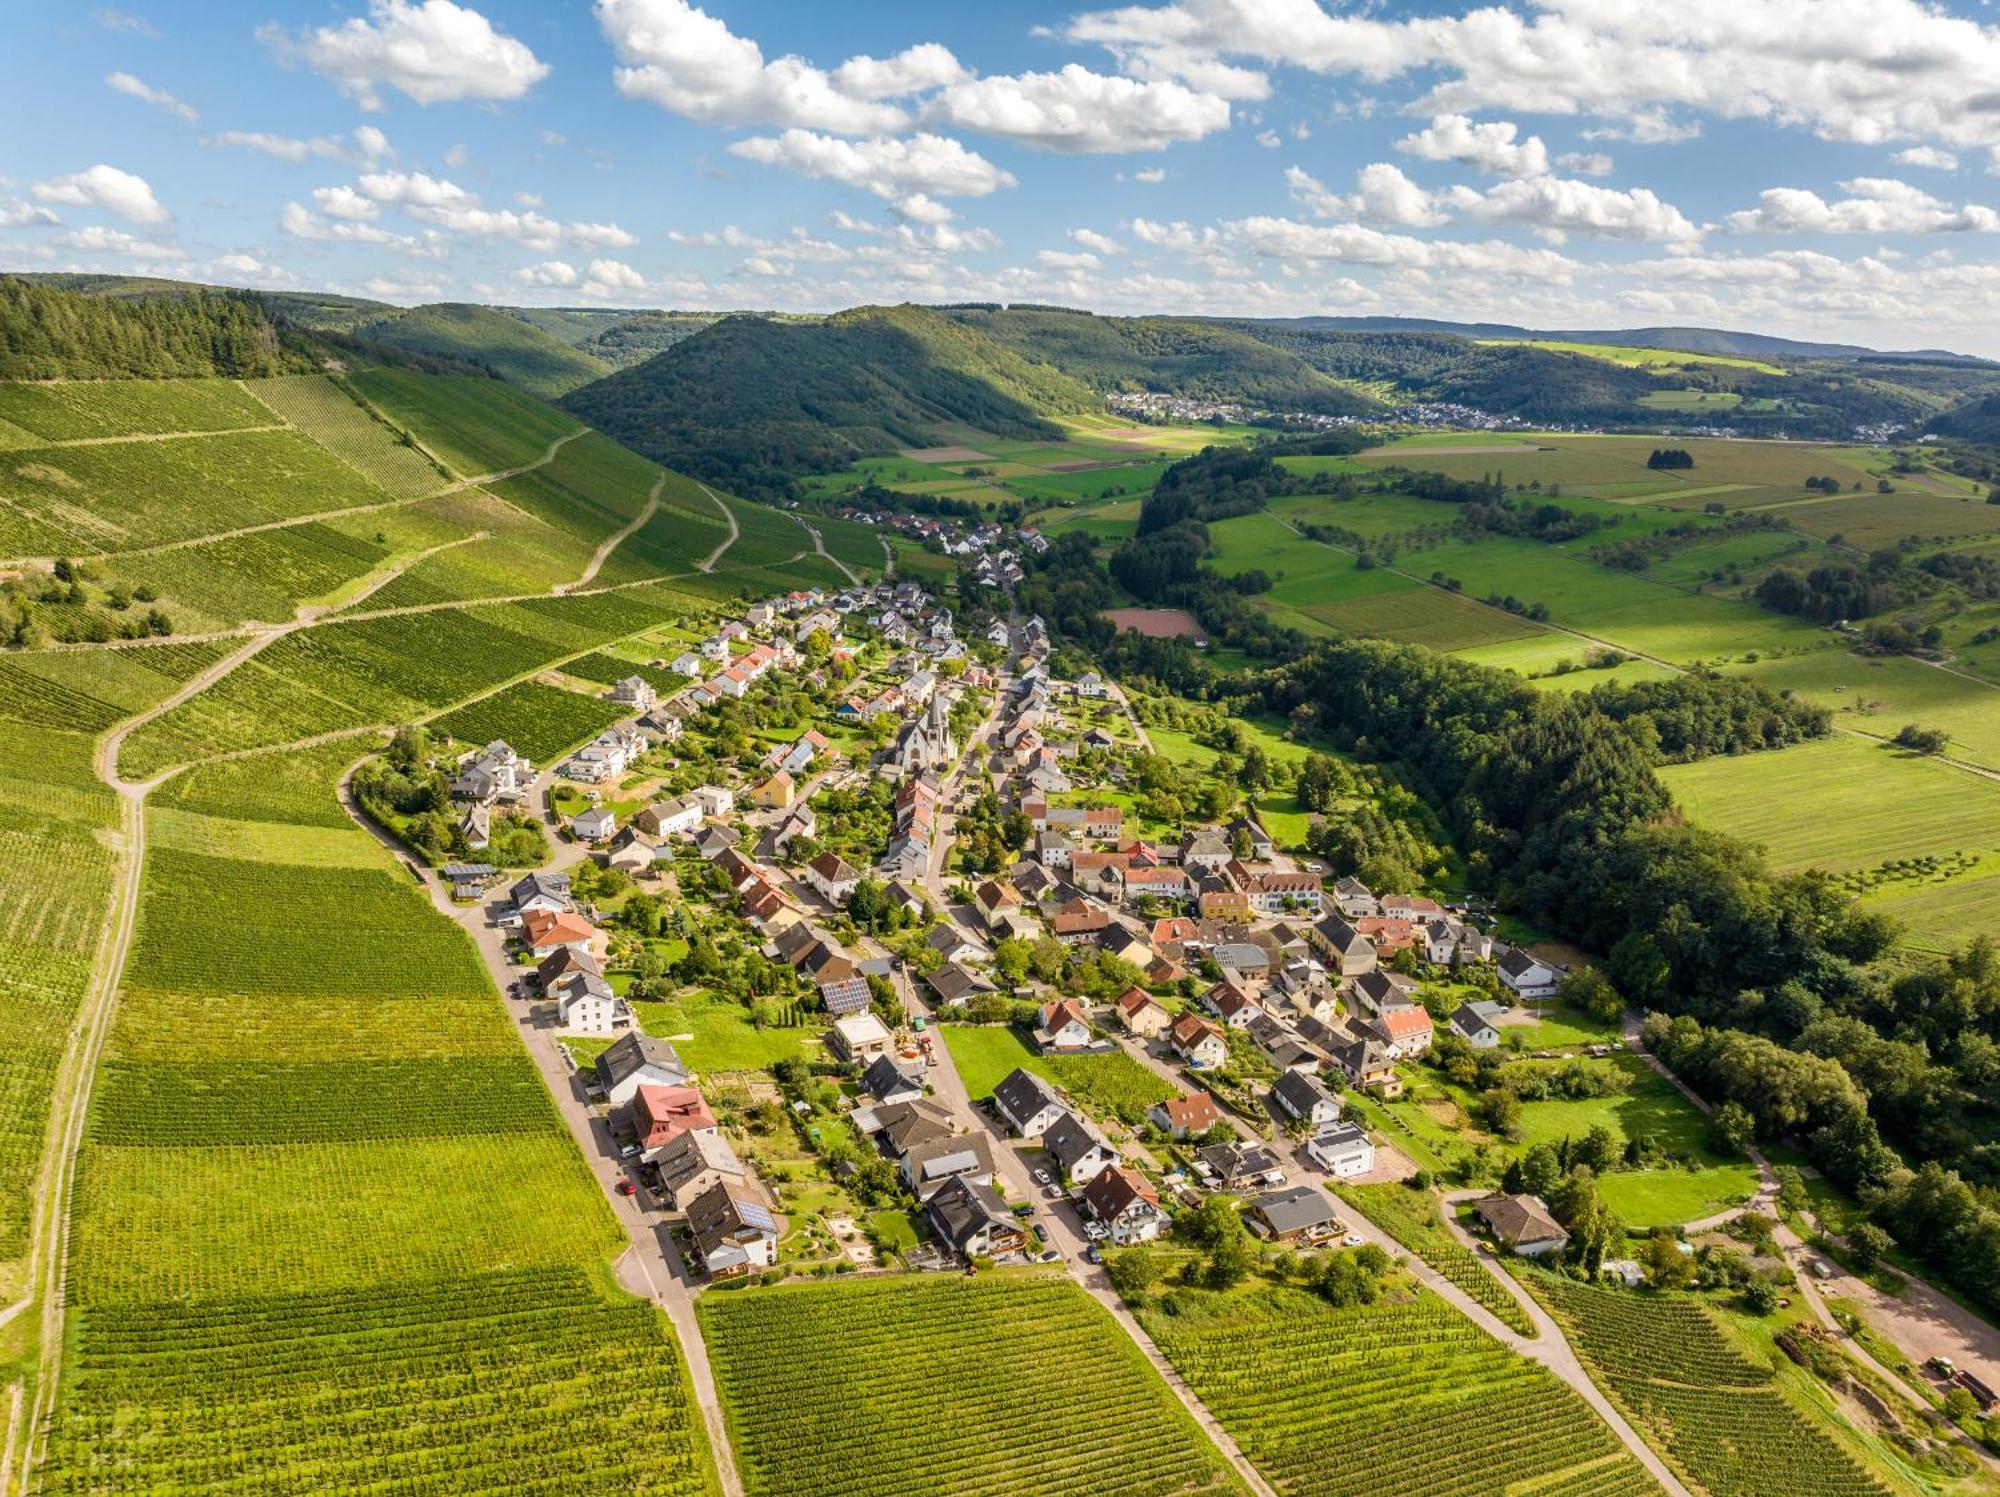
(516, 350)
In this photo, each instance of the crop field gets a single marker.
(765, 536)
(1303, 1389)
(326, 1195)
(496, 550)
(1112, 521)
(1411, 1217)
(1922, 837)
(541, 721)
(88, 690)
(1643, 358)
(1426, 616)
(1587, 462)
(76, 410)
(1877, 695)
(930, 1372)
(499, 1382)
(265, 575)
(119, 495)
(1715, 1415)
(477, 426)
(1113, 1084)
(1691, 402)
(331, 417)
(1871, 520)
(857, 545)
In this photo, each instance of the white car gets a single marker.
(1042, 1177)
(1352, 1239)
(1095, 1231)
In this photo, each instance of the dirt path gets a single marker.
(735, 530)
(611, 543)
(819, 545)
(163, 436)
(651, 1266)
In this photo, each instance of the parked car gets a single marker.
(1042, 1177)
(1095, 1231)
(628, 1151)
(1094, 1253)
(1352, 1239)
(627, 1188)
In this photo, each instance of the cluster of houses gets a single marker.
(1119, 1205)
(995, 551)
(949, 1169)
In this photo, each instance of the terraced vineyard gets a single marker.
(331, 417)
(1720, 1419)
(915, 1385)
(541, 721)
(1409, 1217)
(1304, 1389)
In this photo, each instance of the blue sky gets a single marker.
(1819, 168)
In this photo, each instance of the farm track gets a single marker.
(819, 546)
(162, 436)
(735, 530)
(611, 543)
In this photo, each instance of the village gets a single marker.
(1189, 1014)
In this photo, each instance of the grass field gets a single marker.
(1303, 1388)
(1877, 695)
(1642, 358)
(1111, 1084)
(929, 1372)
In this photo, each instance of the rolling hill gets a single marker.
(517, 351)
(755, 403)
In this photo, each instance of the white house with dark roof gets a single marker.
(1075, 1150)
(1304, 1098)
(1026, 1103)
(1343, 1151)
(1529, 977)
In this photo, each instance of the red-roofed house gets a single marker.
(1125, 1204)
(547, 932)
(1199, 1042)
(1186, 1116)
(1143, 1014)
(661, 1114)
(1063, 1026)
(1406, 1031)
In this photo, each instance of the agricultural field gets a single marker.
(1911, 832)
(89, 410)
(1411, 1217)
(477, 426)
(1869, 521)
(541, 721)
(1657, 359)
(314, 1149)
(329, 415)
(1719, 1418)
(1112, 1084)
(1879, 694)
(1303, 1388)
(898, 1427)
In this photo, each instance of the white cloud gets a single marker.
(106, 187)
(1076, 110)
(301, 222)
(457, 156)
(680, 57)
(98, 240)
(1067, 259)
(599, 236)
(124, 20)
(1152, 176)
(370, 145)
(611, 278)
(1382, 193)
(1102, 244)
(1863, 71)
(125, 83)
(346, 203)
(433, 52)
(914, 70)
(1929, 156)
(1557, 206)
(1874, 205)
(1270, 140)
(15, 214)
(1491, 147)
(529, 200)
(1355, 244)
(919, 208)
(922, 164)
(548, 273)
(443, 204)
(1585, 163)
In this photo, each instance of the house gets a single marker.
(833, 876)
(1235, 1165)
(1377, 992)
(1063, 1026)
(954, 946)
(1343, 1151)
(1305, 1099)
(1529, 977)
(955, 984)
(1473, 1022)
(1522, 1223)
(634, 691)
(1303, 1213)
(1231, 1004)
(1262, 848)
(1125, 1205)
(1091, 685)
(548, 892)
(859, 1038)
(1205, 847)
(631, 853)
(902, 1126)
(1143, 1014)
(1243, 961)
(594, 825)
(1187, 1116)
(1345, 950)
(1026, 1103)
(972, 1221)
(776, 793)
(668, 818)
(560, 965)
(1126, 945)
(1103, 823)
(1160, 883)
(544, 933)
(693, 1162)
(713, 800)
(1198, 1042)
(1366, 1063)
(886, 1081)
(1406, 1031)
(1053, 849)
(635, 1060)
(993, 898)
(843, 987)
(494, 773)
(660, 1114)
(1275, 893)
(734, 1231)
(1080, 921)
(476, 826)
(585, 1004)
(687, 663)
(928, 1167)
(1075, 1150)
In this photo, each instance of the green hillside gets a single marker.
(754, 403)
(1203, 359)
(517, 351)
(620, 338)
(50, 333)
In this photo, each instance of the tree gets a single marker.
(1733, 1129)
(1535, 1173)
(1598, 1150)
(1665, 1265)
(1760, 1296)
(1502, 1111)
(1592, 1226)
(1590, 990)
(1866, 1243)
(1134, 1271)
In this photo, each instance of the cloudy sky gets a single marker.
(1819, 168)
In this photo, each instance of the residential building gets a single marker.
(886, 1081)
(635, 1060)
(1187, 1116)
(1301, 1214)
(928, 1167)
(543, 933)
(594, 825)
(972, 1221)
(1304, 1098)
(1063, 1026)
(843, 987)
(695, 1161)
(833, 877)
(859, 1038)
(1473, 1022)
(1529, 977)
(1407, 1032)
(1027, 1103)
(1346, 951)
(1343, 1151)
(660, 1114)
(1522, 1223)
(585, 1004)
(1075, 1150)
(1143, 1014)
(1198, 1042)
(734, 1231)
(1122, 1201)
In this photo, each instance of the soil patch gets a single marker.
(1158, 623)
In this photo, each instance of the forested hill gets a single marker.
(48, 333)
(755, 403)
(1185, 357)
(517, 351)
